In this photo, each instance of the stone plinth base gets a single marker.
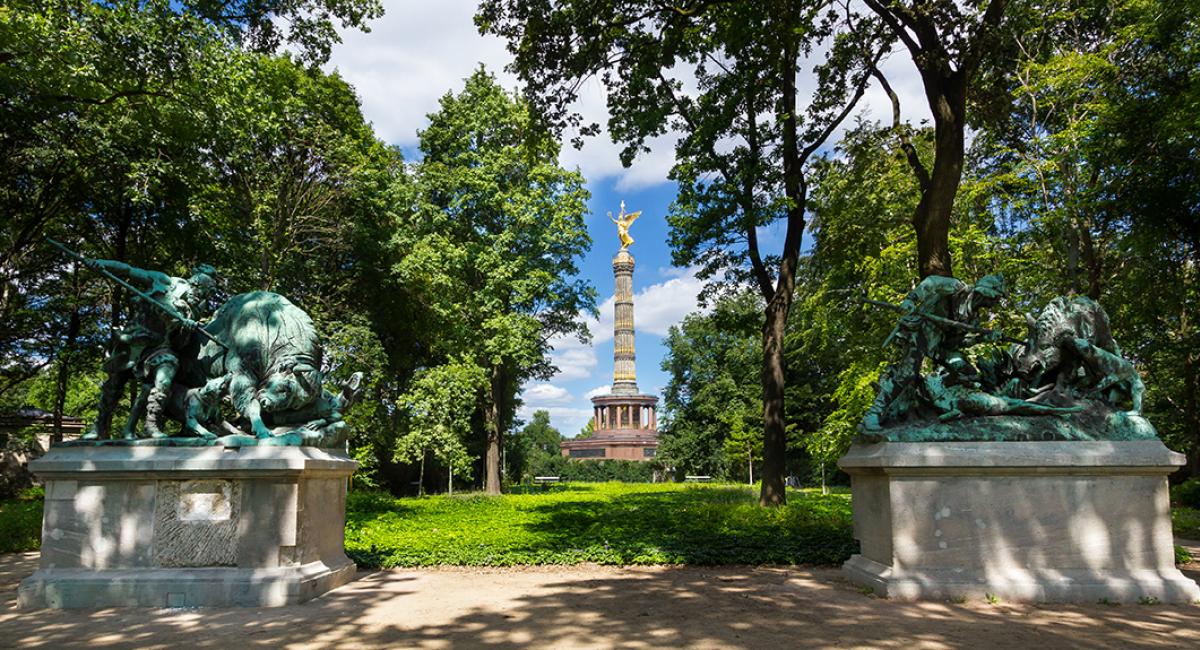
(1022, 521)
(189, 527)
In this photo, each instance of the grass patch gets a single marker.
(21, 522)
(607, 523)
(1186, 522)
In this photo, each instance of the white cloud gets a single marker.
(412, 56)
(657, 307)
(419, 51)
(573, 359)
(598, 391)
(675, 271)
(546, 394)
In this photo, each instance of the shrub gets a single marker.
(1186, 522)
(1187, 493)
(625, 471)
(1182, 555)
(21, 522)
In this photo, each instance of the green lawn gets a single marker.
(609, 523)
(1186, 522)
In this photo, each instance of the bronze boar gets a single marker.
(273, 360)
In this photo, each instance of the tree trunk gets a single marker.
(1191, 408)
(493, 425)
(421, 476)
(750, 462)
(947, 99)
(772, 492)
(64, 375)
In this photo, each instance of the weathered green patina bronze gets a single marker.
(1066, 380)
(253, 375)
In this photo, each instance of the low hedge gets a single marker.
(21, 522)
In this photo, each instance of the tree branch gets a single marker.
(897, 28)
(910, 152)
(991, 19)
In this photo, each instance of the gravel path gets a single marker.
(601, 607)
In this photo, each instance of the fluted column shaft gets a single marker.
(624, 357)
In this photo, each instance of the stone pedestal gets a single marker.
(1023, 521)
(189, 527)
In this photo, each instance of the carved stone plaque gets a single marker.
(196, 523)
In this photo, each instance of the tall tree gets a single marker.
(533, 445)
(110, 112)
(1086, 152)
(493, 251)
(713, 362)
(438, 407)
(724, 76)
(947, 41)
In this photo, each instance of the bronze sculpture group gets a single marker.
(1067, 379)
(251, 374)
(254, 372)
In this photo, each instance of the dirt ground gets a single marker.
(601, 607)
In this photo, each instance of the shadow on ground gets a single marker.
(603, 607)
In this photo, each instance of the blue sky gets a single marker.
(420, 50)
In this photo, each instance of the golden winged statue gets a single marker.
(623, 222)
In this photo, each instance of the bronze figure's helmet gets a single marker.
(991, 286)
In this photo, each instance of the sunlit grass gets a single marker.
(608, 523)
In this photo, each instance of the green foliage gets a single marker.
(21, 522)
(493, 246)
(1182, 555)
(743, 445)
(1186, 494)
(1186, 522)
(609, 523)
(713, 391)
(438, 406)
(82, 396)
(531, 446)
(572, 469)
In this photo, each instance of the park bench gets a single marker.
(697, 479)
(546, 481)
